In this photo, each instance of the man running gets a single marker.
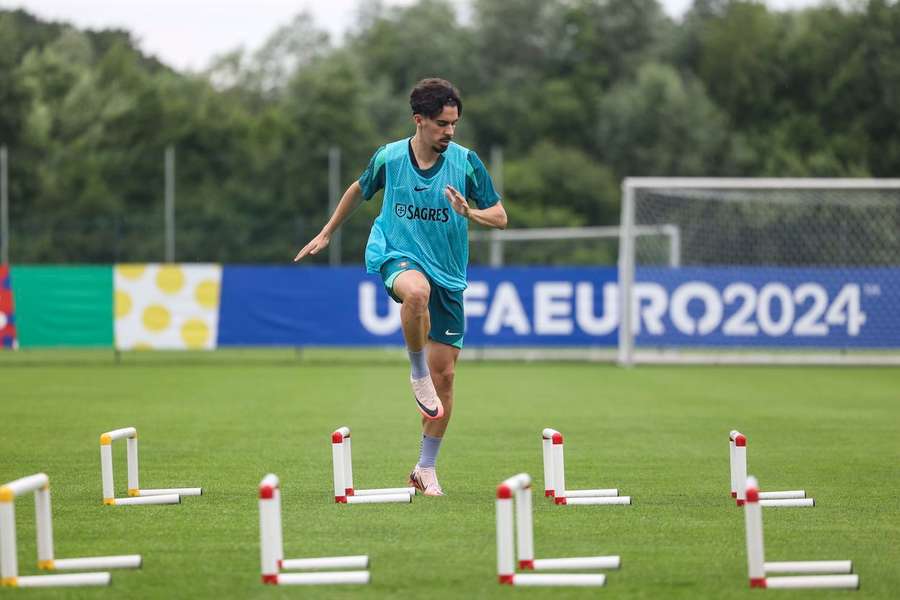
(419, 245)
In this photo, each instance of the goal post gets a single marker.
(770, 271)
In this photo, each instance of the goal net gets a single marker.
(771, 271)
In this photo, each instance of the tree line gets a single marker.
(578, 93)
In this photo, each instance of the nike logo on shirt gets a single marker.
(420, 189)
(448, 332)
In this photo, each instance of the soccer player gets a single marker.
(419, 245)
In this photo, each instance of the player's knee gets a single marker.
(417, 296)
(445, 374)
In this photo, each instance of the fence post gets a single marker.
(4, 206)
(334, 196)
(496, 255)
(170, 203)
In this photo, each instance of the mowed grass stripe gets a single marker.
(658, 434)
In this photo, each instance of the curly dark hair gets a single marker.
(430, 96)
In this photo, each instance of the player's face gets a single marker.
(438, 132)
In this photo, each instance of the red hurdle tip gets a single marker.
(280, 564)
(340, 499)
(526, 565)
(559, 500)
(740, 502)
(348, 491)
(557, 438)
(337, 437)
(270, 579)
(758, 582)
(734, 494)
(740, 440)
(503, 492)
(752, 495)
(506, 579)
(266, 492)
(548, 493)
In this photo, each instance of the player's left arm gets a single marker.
(493, 216)
(489, 210)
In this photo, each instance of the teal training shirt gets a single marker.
(416, 219)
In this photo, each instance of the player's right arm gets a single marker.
(365, 187)
(349, 202)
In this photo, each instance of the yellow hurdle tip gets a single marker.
(105, 439)
(109, 501)
(9, 582)
(134, 492)
(46, 565)
(6, 494)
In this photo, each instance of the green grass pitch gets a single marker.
(224, 420)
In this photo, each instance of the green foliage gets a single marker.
(578, 93)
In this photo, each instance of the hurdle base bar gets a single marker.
(786, 495)
(560, 580)
(384, 491)
(328, 562)
(848, 582)
(166, 499)
(377, 499)
(323, 578)
(599, 493)
(69, 580)
(566, 501)
(580, 562)
(789, 503)
(124, 561)
(810, 567)
(189, 491)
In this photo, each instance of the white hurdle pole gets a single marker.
(552, 445)
(505, 566)
(337, 461)
(342, 469)
(547, 450)
(136, 495)
(810, 567)
(737, 443)
(759, 569)
(517, 490)
(559, 468)
(271, 547)
(795, 503)
(9, 568)
(69, 580)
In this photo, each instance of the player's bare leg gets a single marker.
(413, 289)
(442, 363)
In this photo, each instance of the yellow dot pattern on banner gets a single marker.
(132, 272)
(156, 318)
(207, 294)
(170, 279)
(195, 333)
(123, 304)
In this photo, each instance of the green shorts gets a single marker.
(448, 321)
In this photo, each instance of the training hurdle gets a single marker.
(9, 566)
(759, 569)
(135, 493)
(344, 493)
(272, 549)
(737, 443)
(517, 491)
(555, 477)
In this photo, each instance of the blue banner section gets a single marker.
(574, 306)
(314, 306)
(770, 307)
